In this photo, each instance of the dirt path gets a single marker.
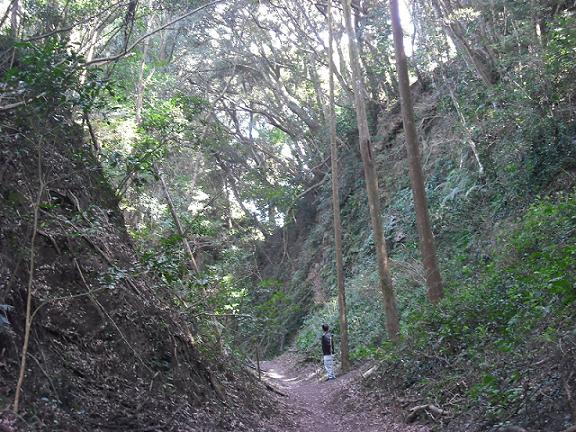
(315, 405)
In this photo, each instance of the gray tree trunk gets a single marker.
(15, 19)
(140, 86)
(344, 356)
(427, 248)
(479, 57)
(392, 318)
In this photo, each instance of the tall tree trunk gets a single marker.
(141, 79)
(176, 219)
(372, 80)
(428, 251)
(90, 53)
(344, 357)
(392, 318)
(15, 19)
(227, 203)
(312, 71)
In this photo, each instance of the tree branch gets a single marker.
(23, 102)
(105, 60)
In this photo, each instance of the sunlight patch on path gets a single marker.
(272, 374)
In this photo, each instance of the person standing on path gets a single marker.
(328, 351)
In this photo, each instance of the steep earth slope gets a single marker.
(106, 349)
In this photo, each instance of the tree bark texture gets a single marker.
(344, 357)
(15, 19)
(427, 248)
(392, 318)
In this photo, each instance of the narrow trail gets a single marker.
(315, 405)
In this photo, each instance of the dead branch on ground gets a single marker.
(428, 409)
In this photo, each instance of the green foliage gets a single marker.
(522, 111)
(531, 275)
(524, 292)
(264, 193)
(365, 317)
(560, 53)
(52, 69)
(146, 145)
(346, 124)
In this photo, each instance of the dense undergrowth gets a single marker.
(500, 347)
(502, 342)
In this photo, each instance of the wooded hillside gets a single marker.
(189, 186)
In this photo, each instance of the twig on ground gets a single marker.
(96, 303)
(223, 315)
(46, 375)
(370, 371)
(22, 102)
(49, 237)
(70, 297)
(103, 254)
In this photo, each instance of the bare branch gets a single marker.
(24, 102)
(104, 60)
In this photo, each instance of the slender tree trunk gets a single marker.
(29, 313)
(469, 138)
(15, 19)
(93, 137)
(392, 318)
(141, 79)
(311, 66)
(430, 262)
(90, 53)
(344, 357)
(228, 203)
(141, 84)
(177, 221)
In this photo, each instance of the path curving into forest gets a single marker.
(315, 405)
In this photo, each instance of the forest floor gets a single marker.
(340, 405)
